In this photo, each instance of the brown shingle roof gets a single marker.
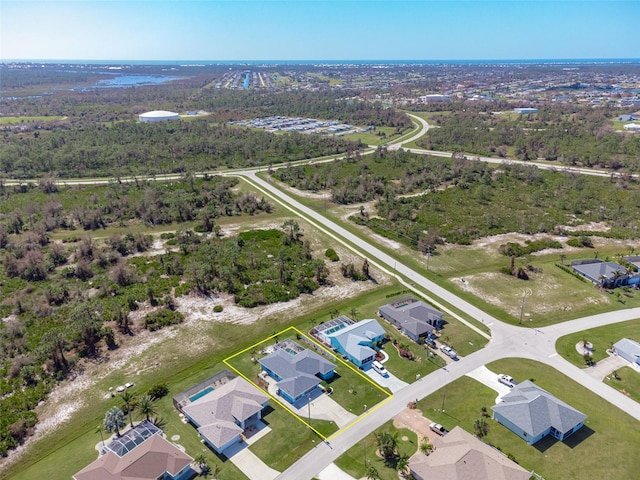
(147, 461)
(460, 456)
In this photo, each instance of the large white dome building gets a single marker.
(158, 116)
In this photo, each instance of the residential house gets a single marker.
(459, 455)
(533, 413)
(605, 274)
(298, 373)
(358, 342)
(141, 453)
(414, 318)
(629, 350)
(222, 415)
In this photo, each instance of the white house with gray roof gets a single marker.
(414, 318)
(298, 373)
(222, 415)
(532, 413)
(629, 350)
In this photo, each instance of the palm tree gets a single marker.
(426, 447)
(387, 444)
(481, 427)
(201, 461)
(372, 473)
(114, 420)
(129, 401)
(402, 465)
(146, 406)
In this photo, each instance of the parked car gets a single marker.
(450, 352)
(378, 367)
(121, 388)
(507, 380)
(430, 342)
(439, 429)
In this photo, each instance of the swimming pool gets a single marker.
(200, 394)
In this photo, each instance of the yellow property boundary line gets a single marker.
(284, 332)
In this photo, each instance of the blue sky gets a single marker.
(317, 29)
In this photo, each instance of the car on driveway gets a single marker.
(439, 429)
(507, 380)
(448, 351)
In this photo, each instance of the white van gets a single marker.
(378, 367)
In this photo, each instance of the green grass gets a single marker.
(627, 382)
(372, 138)
(601, 338)
(288, 439)
(353, 460)
(27, 119)
(605, 447)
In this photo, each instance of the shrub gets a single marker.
(217, 308)
(331, 255)
(162, 318)
(158, 391)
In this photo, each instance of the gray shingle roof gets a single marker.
(296, 386)
(414, 315)
(216, 411)
(534, 410)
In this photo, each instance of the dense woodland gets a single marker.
(132, 148)
(461, 200)
(570, 135)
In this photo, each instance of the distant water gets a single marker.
(547, 61)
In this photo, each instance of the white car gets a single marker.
(450, 352)
(439, 429)
(121, 388)
(506, 380)
(129, 384)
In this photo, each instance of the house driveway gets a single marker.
(605, 366)
(391, 382)
(323, 407)
(332, 472)
(490, 379)
(247, 461)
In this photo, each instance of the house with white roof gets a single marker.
(532, 413)
(629, 350)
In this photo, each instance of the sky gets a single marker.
(318, 30)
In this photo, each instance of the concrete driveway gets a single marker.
(247, 461)
(332, 472)
(391, 382)
(490, 379)
(324, 408)
(605, 366)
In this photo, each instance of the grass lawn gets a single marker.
(373, 138)
(601, 338)
(605, 447)
(353, 460)
(15, 120)
(627, 381)
(288, 439)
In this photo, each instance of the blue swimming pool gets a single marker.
(200, 394)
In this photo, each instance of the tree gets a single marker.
(402, 465)
(201, 461)
(426, 447)
(365, 268)
(292, 229)
(114, 420)
(372, 473)
(481, 427)
(146, 406)
(129, 401)
(387, 444)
